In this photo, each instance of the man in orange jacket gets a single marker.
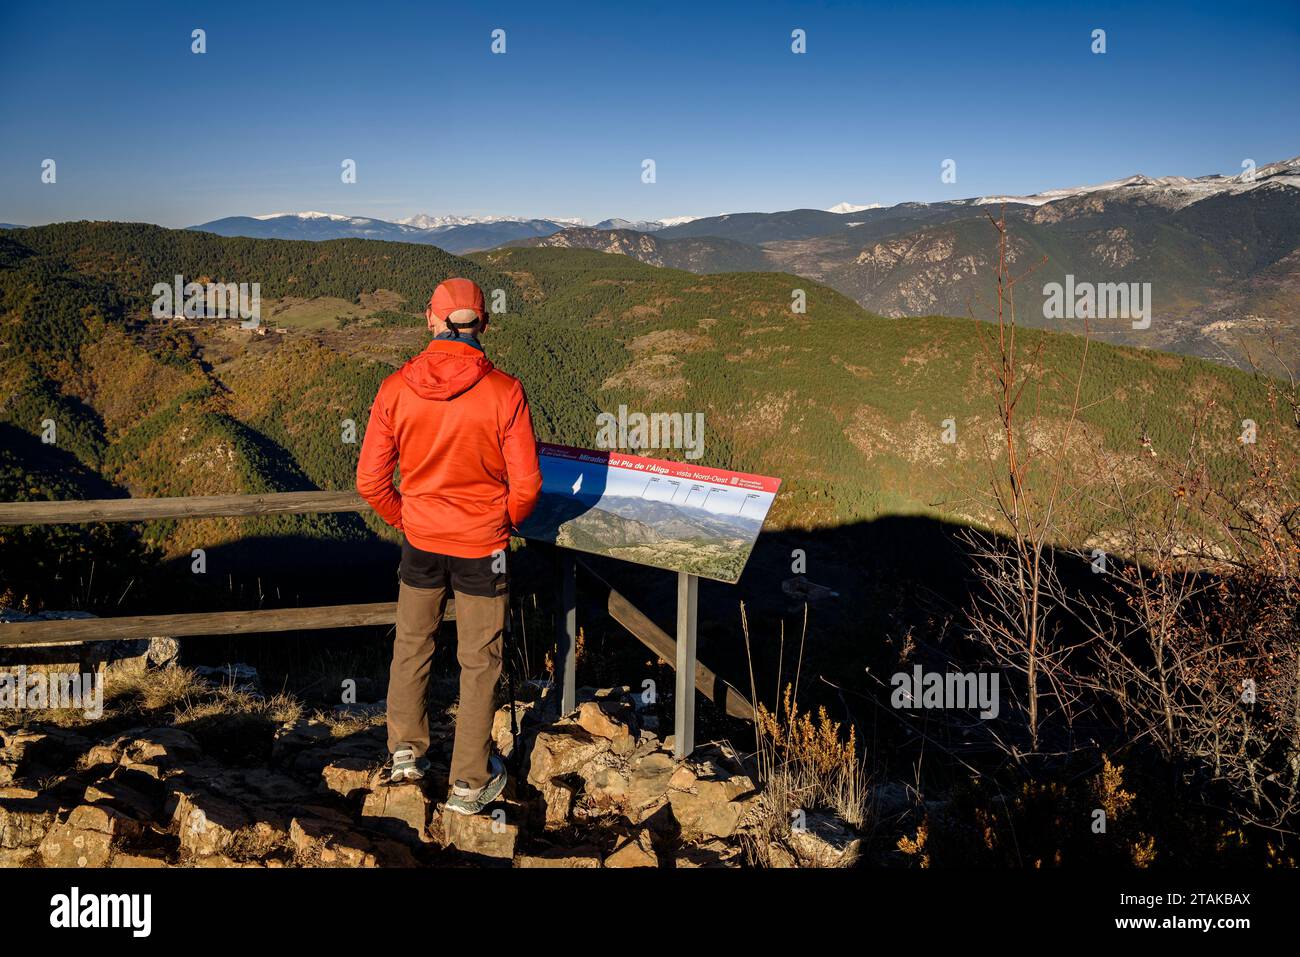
(461, 434)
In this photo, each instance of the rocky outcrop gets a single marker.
(600, 765)
(596, 788)
(823, 840)
(402, 809)
(489, 838)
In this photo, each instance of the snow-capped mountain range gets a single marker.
(426, 221)
(456, 234)
(463, 234)
(852, 207)
(1175, 190)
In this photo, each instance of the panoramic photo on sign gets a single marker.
(687, 518)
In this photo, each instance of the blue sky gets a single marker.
(142, 129)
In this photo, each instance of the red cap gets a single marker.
(457, 294)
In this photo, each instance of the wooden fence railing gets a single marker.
(196, 506)
(679, 654)
(73, 630)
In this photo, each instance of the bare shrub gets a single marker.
(806, 761)
(1189, 645)
(1012, 617)
(1198, 644)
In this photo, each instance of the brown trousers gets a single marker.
(480, 625)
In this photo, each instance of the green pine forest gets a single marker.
(847, 407)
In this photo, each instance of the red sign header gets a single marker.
(680, 470)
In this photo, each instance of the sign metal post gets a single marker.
(688, 595)
(566, 632)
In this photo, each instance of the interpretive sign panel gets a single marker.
(674, 515)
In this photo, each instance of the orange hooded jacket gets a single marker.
(461, 433)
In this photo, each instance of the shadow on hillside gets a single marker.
(52, 466)
(894, 577)
(291, 571)
(898, 581)
(891, 575)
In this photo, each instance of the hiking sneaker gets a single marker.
(406, 766)
(467, 800)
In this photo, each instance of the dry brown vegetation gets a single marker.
(806, 762)
(1179, 643)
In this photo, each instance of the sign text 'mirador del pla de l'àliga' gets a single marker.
(674, 515)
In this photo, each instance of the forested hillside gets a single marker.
(1216, 259)
(138, 406)
(852, 410)
(848, 408)
(133, 256)
(888, 435)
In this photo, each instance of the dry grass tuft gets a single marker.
(152, 689)
(228, 700)
(806, 762)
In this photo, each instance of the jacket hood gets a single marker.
(445, 369)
